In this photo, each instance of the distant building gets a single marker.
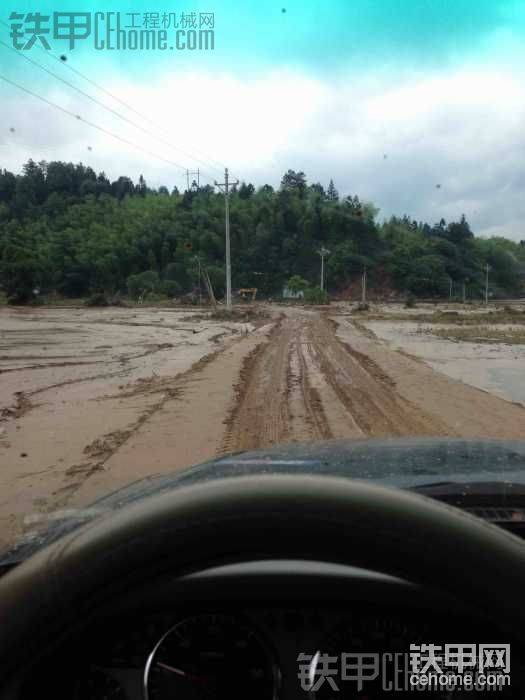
(288, 294)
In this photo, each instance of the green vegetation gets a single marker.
(297, 284)
(500, 316)
(482, 334)
(64, 230)
(142, 283)
(311, 295)
(316, 295)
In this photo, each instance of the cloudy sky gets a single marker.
(390, 98)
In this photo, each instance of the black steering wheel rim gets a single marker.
(258, 517)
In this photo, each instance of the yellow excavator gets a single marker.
(245, 294)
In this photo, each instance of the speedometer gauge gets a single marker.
(211, 656)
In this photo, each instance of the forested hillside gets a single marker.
(66, 230)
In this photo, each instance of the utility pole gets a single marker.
(323, 253)
(189, 173)
(450, 288)
(363, 286)
(225, 187)
(200, 285)
(464, 292)
(487, 268)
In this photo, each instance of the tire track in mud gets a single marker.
(103, 448)
(14, 412)
(369, 394)
(260, 415)
(288, 387)
(315, 414)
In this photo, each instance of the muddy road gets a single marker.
(306, 384)
(91, 400)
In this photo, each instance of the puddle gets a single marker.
(494, 367)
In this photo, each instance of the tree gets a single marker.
(152, 260)
(67, 229)
(332, 195)
(426, 276)
(246, 191)
(294, 182)
(143, 283)
(297, 284)
(122, 187)
(7, 186)
(318, 189)
(142, 187)
(22, 273)
(353, 205)
(459, 232)
(169, 288)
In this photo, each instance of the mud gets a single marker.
(92, 399)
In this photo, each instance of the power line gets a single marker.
(189, 173)
(48, 52)
(101, 104)
(215, 164)
(92, 124)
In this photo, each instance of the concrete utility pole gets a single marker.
(200, 286)
(225, 187)
(323, 253)
(487, 268)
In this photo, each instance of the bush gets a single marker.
(316, 295)
(410, 302)
(191, 299)
(143, 283)
(297, 284)
(170, 288)
(19, 298)
(97, 299)
(21, 275)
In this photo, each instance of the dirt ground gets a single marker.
(92, 399)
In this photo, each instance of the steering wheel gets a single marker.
(248, 518)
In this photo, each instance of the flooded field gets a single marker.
(487, 356)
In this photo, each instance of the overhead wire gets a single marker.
(207, 161)
(109, 109)
(102, 129)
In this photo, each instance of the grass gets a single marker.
(508, 315)
(480, 334)
(124, 301)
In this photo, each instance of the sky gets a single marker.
(415, 105)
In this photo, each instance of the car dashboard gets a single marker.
(275, 631)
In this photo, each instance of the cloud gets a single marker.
(461, 129)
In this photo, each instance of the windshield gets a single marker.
(231, 226)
